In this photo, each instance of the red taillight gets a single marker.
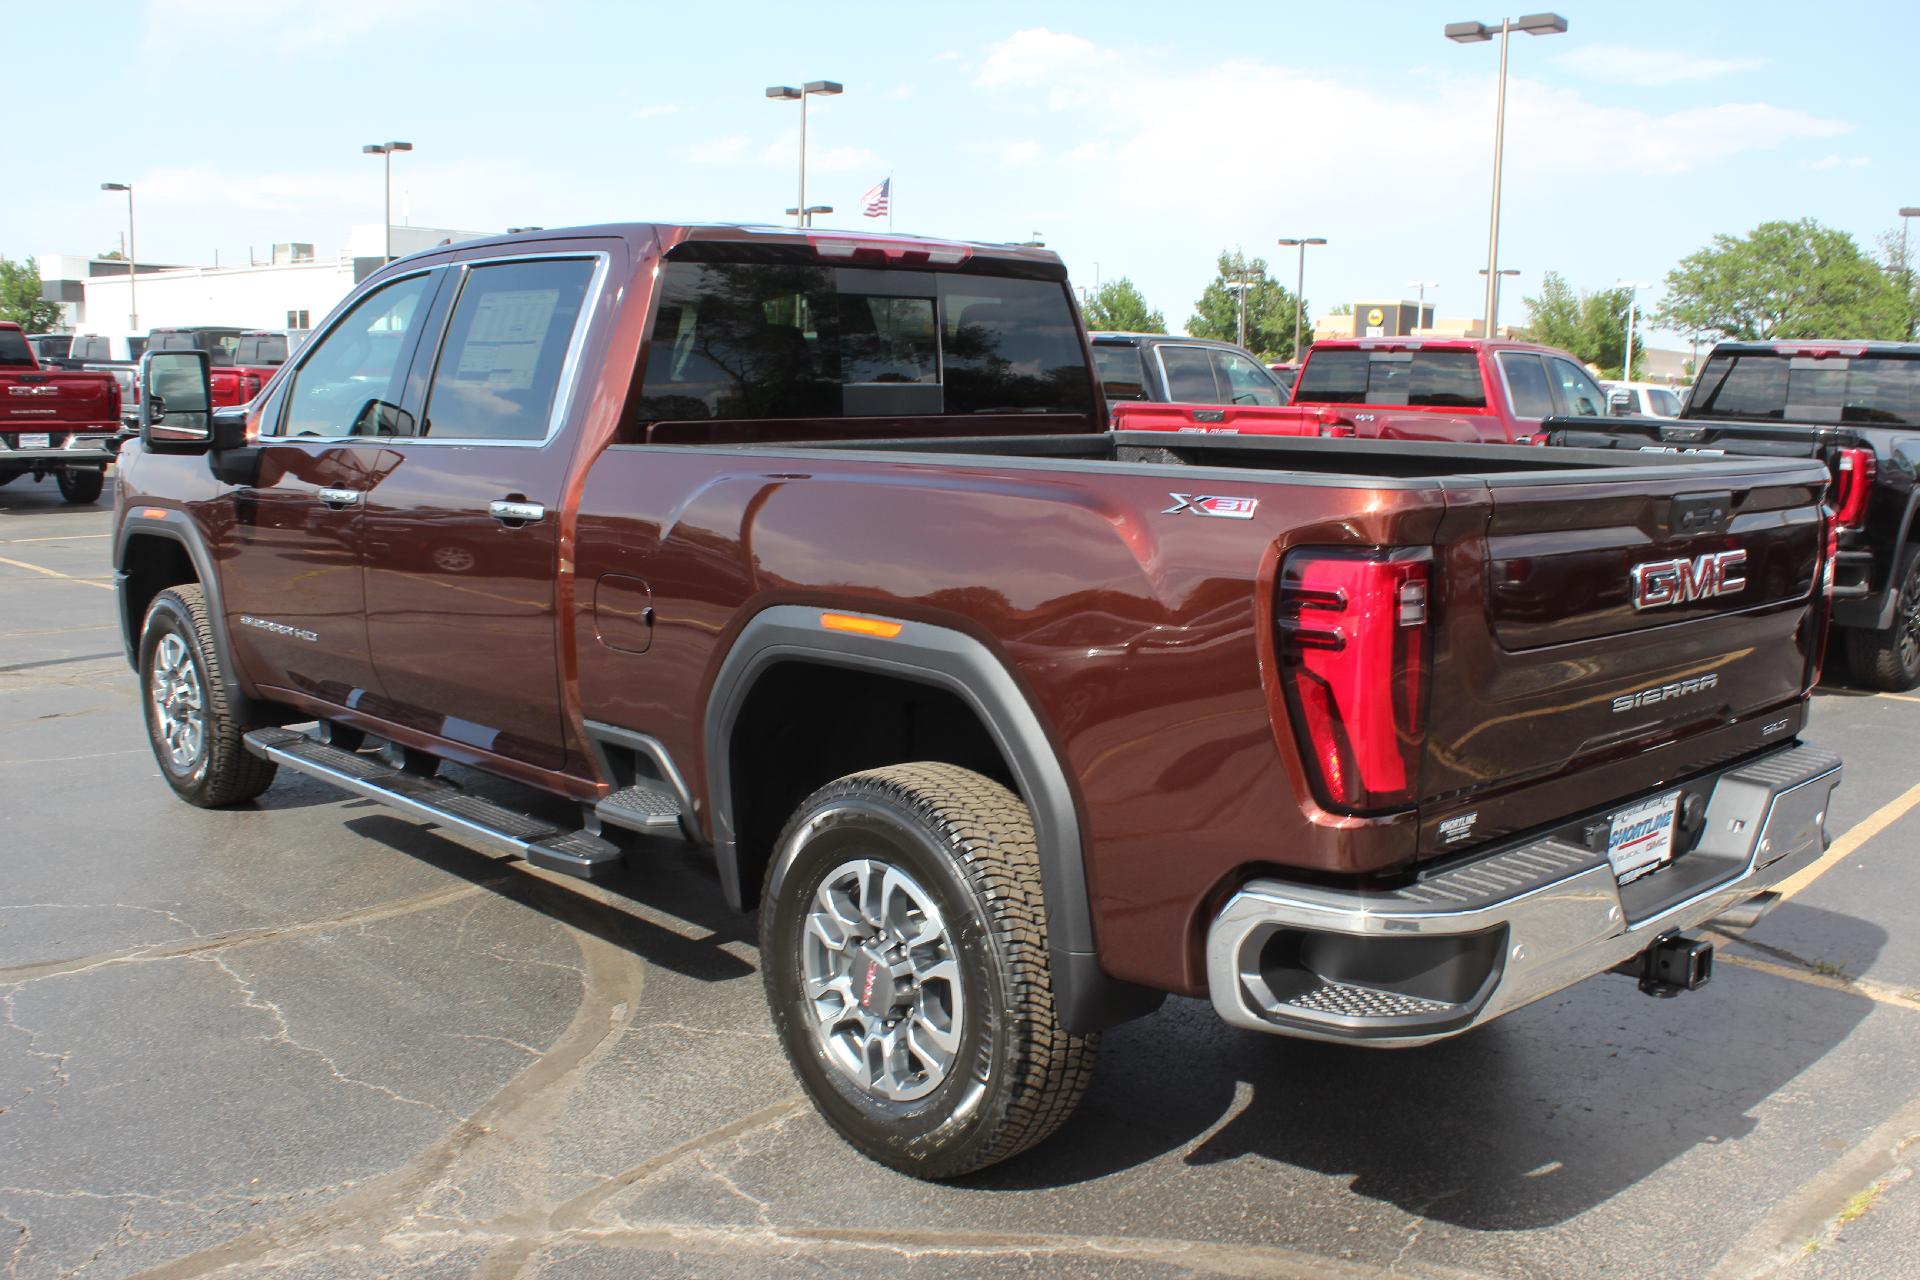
(1852, 485)
(1332, 425)
(1354, 648)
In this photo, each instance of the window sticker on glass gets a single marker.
(504, 342)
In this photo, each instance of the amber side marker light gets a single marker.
(153, 513)
(860, 626)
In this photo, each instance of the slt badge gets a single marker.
(1225, 508)
(1663, 582)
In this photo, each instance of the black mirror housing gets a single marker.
(176, 402)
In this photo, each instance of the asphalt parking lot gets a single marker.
(311, 1038)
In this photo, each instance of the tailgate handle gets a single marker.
(1209, 415)
(340, 499)
(1693, 513)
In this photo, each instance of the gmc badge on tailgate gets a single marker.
(1663, 582)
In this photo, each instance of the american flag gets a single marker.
(874, 203)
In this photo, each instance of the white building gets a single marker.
(293, 289)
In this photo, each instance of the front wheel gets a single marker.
(903, 943)
(190, 726)
(81, 487)
(1890, 659)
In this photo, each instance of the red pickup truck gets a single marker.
(53, 421)
(811, 549)
(1465, 389)
(234, 382)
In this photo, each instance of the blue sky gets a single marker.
(1141, 137)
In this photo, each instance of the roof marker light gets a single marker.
(879, 628)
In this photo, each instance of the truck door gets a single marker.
(462, 537)
(291, 574)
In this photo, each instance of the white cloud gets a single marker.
(899, 93)
(1068, 66)
(1841, 162)
(1646, 68)
(1017, 153)
(784, 153)
(731, 149)
(657, 110)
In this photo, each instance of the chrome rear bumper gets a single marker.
(1479, 939)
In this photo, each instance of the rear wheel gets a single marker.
(903, 943)
(1890, 659)
(190, 726)
(81, 487)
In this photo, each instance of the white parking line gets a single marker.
(55, 573)
(55, 537)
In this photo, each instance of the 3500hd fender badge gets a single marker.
(1663, 582)
(1225, 508)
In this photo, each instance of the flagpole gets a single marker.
(890, 199)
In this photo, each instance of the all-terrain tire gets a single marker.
(81, 487)
(968, 843)
(216, 769)
(1890, 659)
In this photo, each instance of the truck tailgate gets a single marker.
(1229, 419)
(1642, 617)
(55, 401)
(1676, 435)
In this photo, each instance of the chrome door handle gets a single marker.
(517, 512)
(340, 498)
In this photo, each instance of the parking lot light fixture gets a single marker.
(810, 211)
(1420, 307)
(1534, 24)
(802, 215)
(386, 149)
(1299, 243)
(1493, 294)
(133, 256)
(1633, 288)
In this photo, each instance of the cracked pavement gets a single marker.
(310, 1038)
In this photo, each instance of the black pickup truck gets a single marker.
(1856, 407)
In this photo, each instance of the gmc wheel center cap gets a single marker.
(873, 983)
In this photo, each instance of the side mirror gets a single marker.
(1620, 402)
(176, 402)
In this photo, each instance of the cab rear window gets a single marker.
(1431, 379)
(783, 341)
(1868, 389)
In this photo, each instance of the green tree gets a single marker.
(1270, 309)
(20, 299)
(1783, 280)
(1592, 326)
(1119, 305)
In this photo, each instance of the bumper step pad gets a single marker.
(645, 806)
(539, 842)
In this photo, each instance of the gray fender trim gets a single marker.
(175, 527)
(1086, 998)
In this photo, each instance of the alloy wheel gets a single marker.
(179, 704)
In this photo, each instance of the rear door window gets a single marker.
(1526, 384)
(1122, 376)
(1189, 374)
(1246, 381)
(506, 347)
(1664, 403)
(737, 340)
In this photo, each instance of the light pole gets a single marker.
(1299, 282)
(1493, 293)
(787, 93)
(1633, 288)
(133, 256)
(1420, 308)
(1906, 271)
(1534, 24)
(1240, 287)
(810, 211)
(386, 150)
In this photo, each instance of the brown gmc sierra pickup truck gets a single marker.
(807, 548)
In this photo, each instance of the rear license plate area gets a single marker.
(36, 440)
(1640, 837)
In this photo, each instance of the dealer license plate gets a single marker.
(36, 440)
(1640, 840)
